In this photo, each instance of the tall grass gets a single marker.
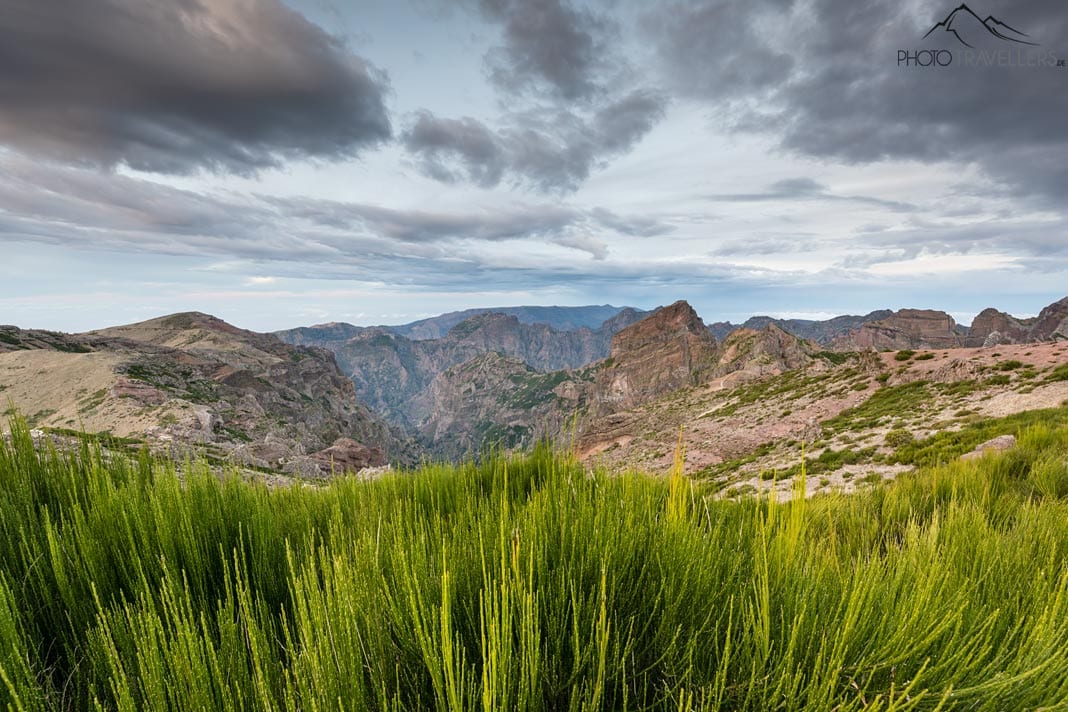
(529, 584)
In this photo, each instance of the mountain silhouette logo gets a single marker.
(967, 27)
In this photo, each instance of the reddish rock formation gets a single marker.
(991, 327)
(348, 455)
(1051, 323)
(905, 329)
(761, 353)
(670, 349)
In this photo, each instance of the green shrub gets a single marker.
(898, 437)
(529, 583)
(904, 355)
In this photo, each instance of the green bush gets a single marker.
(898, 437)
(904, 355)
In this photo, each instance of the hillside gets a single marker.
(191, 381)
(854, 416)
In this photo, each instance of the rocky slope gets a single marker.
(393, 373)
(848, 415)
(193, 381)
(499, 401)
(928, 329)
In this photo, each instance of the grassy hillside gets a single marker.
(528, 584)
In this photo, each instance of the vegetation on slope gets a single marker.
(529, 584)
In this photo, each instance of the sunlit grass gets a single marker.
(527, 583)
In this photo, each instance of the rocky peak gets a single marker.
(770, 350)
(665, 351)
(665, 325)
(1051, 323)
(991, 327)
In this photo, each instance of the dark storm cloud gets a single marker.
(721, 50)
(548, 150)
(548, 44)
(832, 87)
(805, 189)
(574, 102)
(177, 86)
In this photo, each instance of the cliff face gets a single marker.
(670, 349)
(194, 380)
(498, 401)
(991, 327)
(927, 329)
(1051, 323)
(393, 373)
(904, 329)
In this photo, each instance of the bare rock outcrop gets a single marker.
(905, 329)
(670, 349)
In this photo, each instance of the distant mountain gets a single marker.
(822, 332)
(192, 381)
(905, 329)
(930, 329)
(559, 318)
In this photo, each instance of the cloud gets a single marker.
(175, 87)
(632, 225)
(722, 51)
(551, 151)
(806, 189)
(832, 88)
(549, 46)
(80, 208)
(418, 226)
(574, 102)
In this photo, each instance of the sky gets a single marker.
(281, 163)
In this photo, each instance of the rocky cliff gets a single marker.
(393, 373)
(905, 329)
(750, 354)
(928, 329)
(665, 351)
(191, 380)
(991, 327)
(495, 400)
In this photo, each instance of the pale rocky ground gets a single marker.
(77, 388)
(717, 427)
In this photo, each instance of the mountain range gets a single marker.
(305, 401)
